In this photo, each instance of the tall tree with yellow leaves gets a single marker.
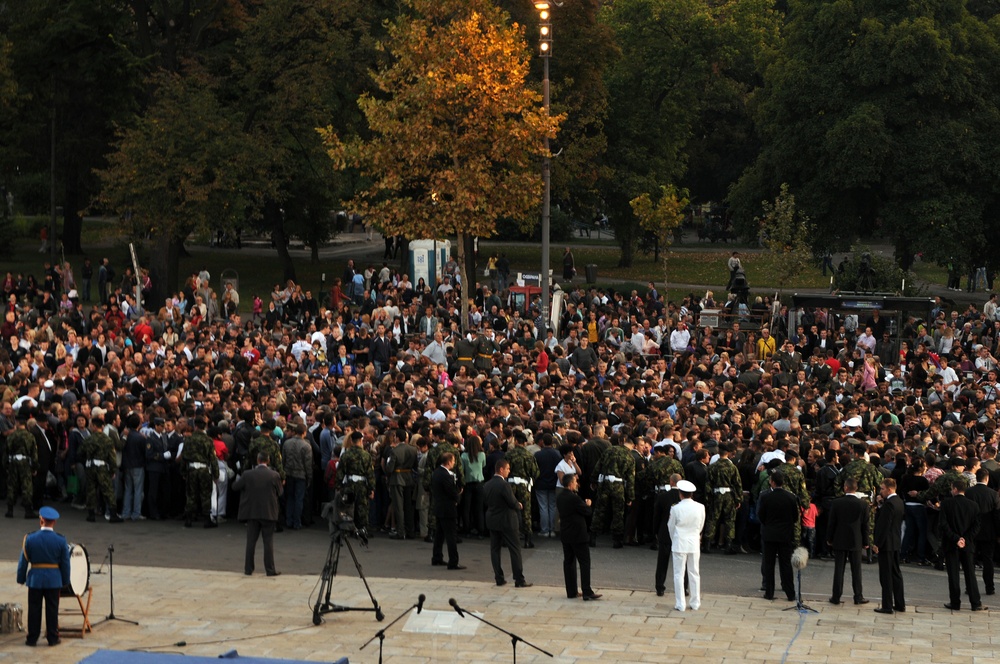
(456, 130)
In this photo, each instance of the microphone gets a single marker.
(800, 558)
(455, 606)
(420, 603)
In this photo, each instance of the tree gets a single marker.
(456, 131)
(661, 218)
(882, 117)
(785, 231)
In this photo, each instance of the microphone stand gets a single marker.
(514, 638)
(799, 605)
(111, 575)
(380, 635)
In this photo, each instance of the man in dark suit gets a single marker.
(778, 511)
(959, 525)
(887, 544)
(988, 501)
(847, 535)
(661, 516)
(445, 496)
(502, 511)
(573, 514)
(261, 488)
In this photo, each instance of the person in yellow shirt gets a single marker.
(765, 345)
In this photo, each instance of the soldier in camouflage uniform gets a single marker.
(795, 481)
(615, 490)
(433, 454)
(725, 492)
(356, 476)
(97, 453)
(868, 478)
(266, 443)
(199, 456)
(661, 467)
(21, 461)
(523, 473)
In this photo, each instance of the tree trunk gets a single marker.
(72, 221)
(403, 254)
(164, 268)
(470, 264)
(273, 216)
(466, 289)
(314, 252)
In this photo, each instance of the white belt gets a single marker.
(518, 480)
(355, 478)
(95, 462)
(197, 465)
(19, 457)
(664, 487)
(609, 478)
(722, 489)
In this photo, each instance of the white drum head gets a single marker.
(79, 569)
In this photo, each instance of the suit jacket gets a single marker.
(847, 527)
(664, 502)
(573, 515)
(687, 518)
(988, 502)
(501, 506)
(778, 511)
(889, 524)
(44, 547)
(261, 488)
(444, 494)
(959, 518)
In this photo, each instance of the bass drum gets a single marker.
(79, 571)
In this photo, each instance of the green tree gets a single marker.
(456, 131)
(882, 116)
(661, 217)
(784, 231)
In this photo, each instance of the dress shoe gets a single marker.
(991, 592)
(769, 597)
(790, 598)
(30, 644)
(861, 601)
(591, 598)
(274, 573)
(523, 584)
(456, 566)
(981, 607)
(573, 596)
(428, 539)
(501, 582)
(833, 600)
(953, 607)
(55, 641)
(250, 573)
(899, 609)
(888, 612)
(438, 563)
(661, 593)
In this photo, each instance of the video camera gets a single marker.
(339, 515)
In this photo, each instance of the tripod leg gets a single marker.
(326, 581)
(357, 564)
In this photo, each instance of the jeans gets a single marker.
(134, 478)
(86, 290)
(915, 535)
(546, 510)
(295, 492)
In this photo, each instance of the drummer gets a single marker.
(44, 565)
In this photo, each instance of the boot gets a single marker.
(593, 541)
(706, 547)
(528, 544)
(116, 519)
(10, 511)
(617, 543)
(731, 548)
(91, 518)
(210, 524)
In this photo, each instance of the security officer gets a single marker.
(615, 491)
(158, 457)
(666, 497)
(22, 463)
(98, 454)
(465, 355)
(199, 455)
(434, 453)
(356, 476)
(47, 554)
(724, 491)
(400, 467)
(523, 473)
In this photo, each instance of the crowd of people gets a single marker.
(139, 412)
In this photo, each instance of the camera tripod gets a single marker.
(323, 604)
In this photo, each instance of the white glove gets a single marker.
(239, 465)
(167, 455)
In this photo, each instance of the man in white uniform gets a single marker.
(687, 518)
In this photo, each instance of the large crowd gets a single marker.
(138, 410)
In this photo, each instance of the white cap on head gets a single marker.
(854, 422)
(686, 486)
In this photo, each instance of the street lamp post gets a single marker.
(545, 51)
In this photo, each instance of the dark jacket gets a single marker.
(501, 506)
(778, 511)
(847, 528)
(661, 513)
(444, 494)
(889, 524)
(261, 489)
(988, 502)
(573, 515)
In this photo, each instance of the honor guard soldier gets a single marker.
(725, 491)
(523, 473)
(98, 454)
(356, 476)
(199, 454)
(615, 491)
(21, 461)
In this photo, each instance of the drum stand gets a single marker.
(111, 573)
(323, 604)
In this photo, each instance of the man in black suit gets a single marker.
(261, 489)
(665, 499)
(847, 535)
(888, 537)
(574, 512)
(502, 511)
(959, 525)
(988, 501)
(445, 496)
(778, 511)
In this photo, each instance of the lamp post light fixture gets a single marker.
(545, 51)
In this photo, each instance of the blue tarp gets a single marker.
(128, 657)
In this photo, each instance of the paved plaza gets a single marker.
(214, 612)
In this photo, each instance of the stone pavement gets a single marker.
(214, 612)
